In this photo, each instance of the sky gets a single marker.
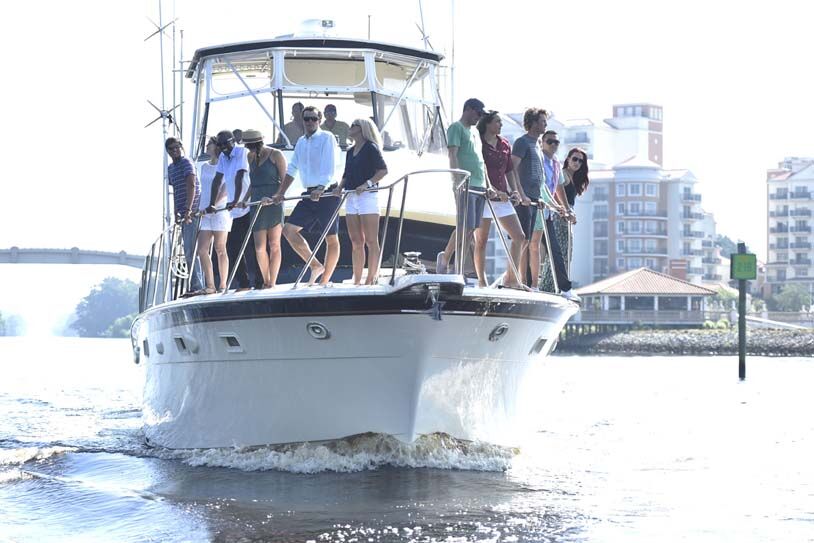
(735, 82)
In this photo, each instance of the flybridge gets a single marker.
(394, 85)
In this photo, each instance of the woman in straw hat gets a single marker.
(267, 168)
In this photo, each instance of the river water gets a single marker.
(625, 449)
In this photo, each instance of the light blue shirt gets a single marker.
(314, 159)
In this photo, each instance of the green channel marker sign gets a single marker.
(743, 266)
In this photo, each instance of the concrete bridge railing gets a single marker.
(74, 255)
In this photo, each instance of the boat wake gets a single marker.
(364, 452)
(356, 453)
(21, 455)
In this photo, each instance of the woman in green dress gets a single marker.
(267, 168)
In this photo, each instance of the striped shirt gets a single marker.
(177, 173)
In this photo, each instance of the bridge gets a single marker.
(74, 255)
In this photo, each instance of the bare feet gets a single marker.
(316, 272)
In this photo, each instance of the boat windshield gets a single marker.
(265, 90)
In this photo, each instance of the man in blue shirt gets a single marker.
(186, 191)
(313, 160)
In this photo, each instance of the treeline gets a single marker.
(108, 310)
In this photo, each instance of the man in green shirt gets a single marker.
(337, 128)
(464, 147)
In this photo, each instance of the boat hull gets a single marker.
(269, 371)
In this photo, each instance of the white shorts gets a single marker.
(366, 203)
(216, 222)
(502, 209)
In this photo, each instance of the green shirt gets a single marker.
(470, 157)
(340, 130)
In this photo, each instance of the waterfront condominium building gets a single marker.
(790, 202)
(635, 213)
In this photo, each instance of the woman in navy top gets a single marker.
(364, 167)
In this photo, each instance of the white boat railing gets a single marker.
(166, 275)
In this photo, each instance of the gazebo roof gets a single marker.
(644, 282)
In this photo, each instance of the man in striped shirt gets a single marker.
(186, 191)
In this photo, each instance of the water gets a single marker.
(627, 449)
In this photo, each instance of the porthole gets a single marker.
(498, 332)
(318, 330)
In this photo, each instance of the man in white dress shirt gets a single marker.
(313, 160)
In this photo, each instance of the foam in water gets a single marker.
(356, 453)
(16, 457)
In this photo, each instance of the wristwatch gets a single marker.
(370, 184)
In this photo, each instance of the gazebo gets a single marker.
(644, 296)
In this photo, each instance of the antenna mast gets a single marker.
(452, 63)
(166, 193)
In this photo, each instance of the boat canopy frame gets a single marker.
(276, 59)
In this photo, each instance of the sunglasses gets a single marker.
(310, 119)
(552, 142)
(576, 159)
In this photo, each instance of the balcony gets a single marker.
(695, 271)
(801, 245)
(712, 277)
(600, 196)
(645, 213)
(800, 262)
(779, 230)
(711, 260)
(692, 252)
(659, 251)
(692, 234)
(654, 233)
(782, 246)
(800, 229)
(802, 212)
(600, 215)
(707, 244)
(779, 196)
(800, 195)
(780, 213)
(692, 216)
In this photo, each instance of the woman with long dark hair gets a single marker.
(497, 155)
(575, 172)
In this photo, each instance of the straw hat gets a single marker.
(252, 136)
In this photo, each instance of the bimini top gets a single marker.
(309, 43)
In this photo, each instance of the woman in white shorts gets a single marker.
(364, 167)
(497, 155)
(214, 226)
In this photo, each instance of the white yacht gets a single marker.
(417, 353)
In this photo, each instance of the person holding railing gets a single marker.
(313, 159)
(497, 155)
(464, 149)
(267, 168)
(214, 227)
(575, 181)
(527, 160)
(233, 171)
(186, 190)
(364, 168)
(554, 182)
